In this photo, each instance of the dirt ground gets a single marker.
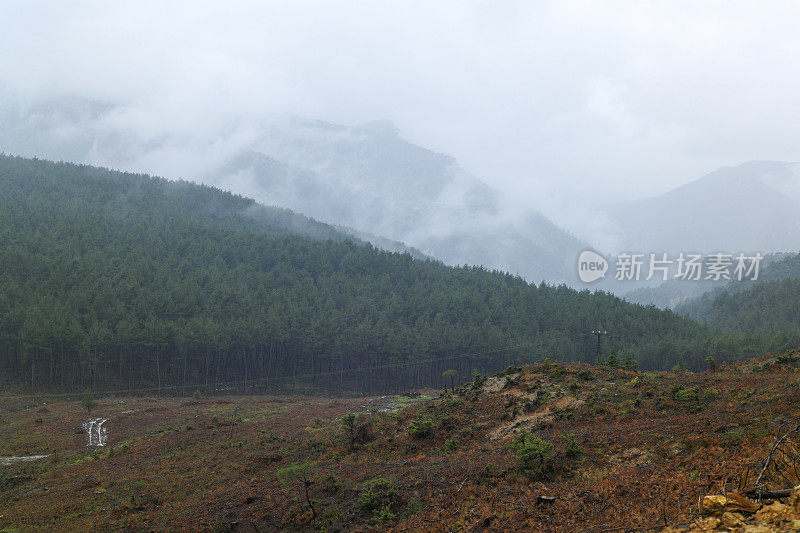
(630, 451)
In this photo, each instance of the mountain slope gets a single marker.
(112, 280)
(365, 177)
(748, 208)
(767, 305)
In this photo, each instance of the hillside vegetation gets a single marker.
(770, 305)
(119, 281)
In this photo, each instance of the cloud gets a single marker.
(555, 102)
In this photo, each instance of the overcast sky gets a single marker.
(551, 100)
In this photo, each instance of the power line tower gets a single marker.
(599, 334)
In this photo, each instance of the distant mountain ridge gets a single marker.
(751, 207)
(362, 177)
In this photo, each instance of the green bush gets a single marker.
(380, 495)
(420, 427)
(694, 396)
(477, 379)
(448, 423)
(572, 448)
(88, 401)
(383, 515)
(534, 454)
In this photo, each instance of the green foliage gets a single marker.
(378, 496)
(295, 471)
(330, 484)
(628, 362)
(451, 444)
(534, 454)
(420, 427)
(413, 506)
(450, 374)
(349, 421)
(572, 448)
(694, 397)
(680, 366)
(357, 432)
(171, 283)
(448, 423)
(383, 515)
(88, 401)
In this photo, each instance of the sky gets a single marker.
(560, 103)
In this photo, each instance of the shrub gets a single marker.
(356, 432)
(453, 401)
(694, 396)
(383, 515)
(420, 427)
(330, 485)
(413, 506)
(448, 423)
(378, 496)
(451, 444)
(88, 401)
(299, 472)
(534, 454)
(452, 375)
(572, 448)
(477, 379)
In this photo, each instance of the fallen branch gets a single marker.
(770, 494)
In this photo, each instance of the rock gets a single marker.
(545, 500)
(757, 529)
(718, 504)
(731, 520)
(772, 513)
(709, 523)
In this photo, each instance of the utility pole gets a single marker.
(599, 335)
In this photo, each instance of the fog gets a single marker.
(563, 106)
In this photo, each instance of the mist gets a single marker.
(560, 108)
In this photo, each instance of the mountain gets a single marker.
(769, 304)
(753, 207)
(765, 307)
(113, 280)
(365, 177)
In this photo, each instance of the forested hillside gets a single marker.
(768, 305)
(764, 307)
(117, 281)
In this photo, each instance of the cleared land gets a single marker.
(630, 450)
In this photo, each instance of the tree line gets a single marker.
(112, 280)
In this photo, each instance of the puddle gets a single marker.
(8, 461)
(96, 431)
